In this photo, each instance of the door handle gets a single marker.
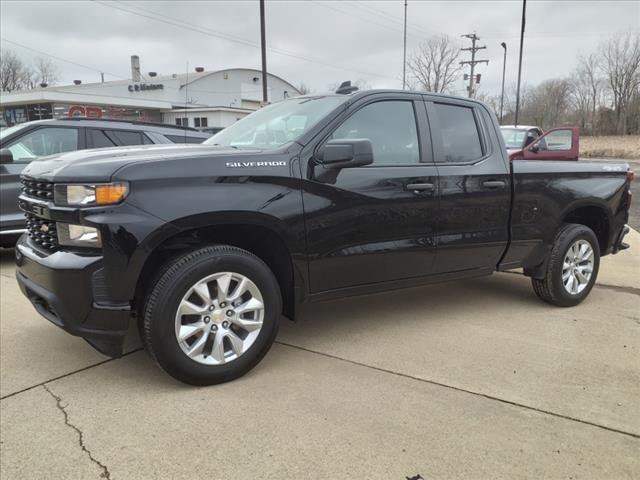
(493, 184)
(421, 187)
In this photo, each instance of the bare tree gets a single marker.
(14, 74)
(621, 66)
(587, 91)
(303, 88)
(45, 71)
(434, 66)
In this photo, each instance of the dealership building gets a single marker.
(201, 99)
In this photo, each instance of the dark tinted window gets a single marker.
(459, 131)
(98, 139)
(125, 138)
(183, 139)
(391, 127)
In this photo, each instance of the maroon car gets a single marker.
(530, 143)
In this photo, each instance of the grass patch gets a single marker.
(622, 146)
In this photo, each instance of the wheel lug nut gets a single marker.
(229, 313)
(214, 328)
(207, 319)
(223, 304)
(211, 308)
(225, 324)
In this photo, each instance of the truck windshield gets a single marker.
(513, 137)
(278, 124)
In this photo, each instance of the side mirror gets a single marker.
(345, 153)
(534, 148)
(6, 156)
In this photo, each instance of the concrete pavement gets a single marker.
(471, 379)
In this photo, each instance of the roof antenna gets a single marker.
(346, 88)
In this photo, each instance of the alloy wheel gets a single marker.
(577, 267)
(219, 318)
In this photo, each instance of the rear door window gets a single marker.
(98, 139)
(184, 139)
(459, 133)
(122, 137)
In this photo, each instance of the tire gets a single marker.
(552, 287)
(211, 357)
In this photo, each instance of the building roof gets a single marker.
(116, 93)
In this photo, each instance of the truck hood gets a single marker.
(100, 164)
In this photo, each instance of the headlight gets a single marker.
(78, 235)
(90, 195)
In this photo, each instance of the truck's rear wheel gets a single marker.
(572, 268)
(212, 315)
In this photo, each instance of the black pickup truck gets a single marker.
(309, 199)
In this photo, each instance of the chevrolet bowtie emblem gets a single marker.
(44, 228)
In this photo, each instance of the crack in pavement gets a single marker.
(26, 389)
(464, 390)
(105, 471)
(620, 289)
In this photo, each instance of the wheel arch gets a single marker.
(590, 214)
(594, 216)
(261, 235)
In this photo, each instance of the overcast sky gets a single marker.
(315, 42)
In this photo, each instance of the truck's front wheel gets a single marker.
(572, 267)
(211, 315)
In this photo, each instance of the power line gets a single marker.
(398, 20)
(206, 31)
(60, 58)
(351, 15)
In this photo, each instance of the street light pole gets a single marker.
(264, 53)
(404, 50)
(524, 10)
(504, 69)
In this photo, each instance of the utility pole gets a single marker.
(473, 49)
(404, 51)
(263, 43)
(504, 70)
(524, 10)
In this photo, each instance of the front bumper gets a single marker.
(61, 287)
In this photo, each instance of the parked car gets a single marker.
(530, 143)
(335, 195)
(26, 142)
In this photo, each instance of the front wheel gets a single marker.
(572, 268)
(211, 315)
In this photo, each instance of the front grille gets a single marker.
(37, 189)
(42, 231)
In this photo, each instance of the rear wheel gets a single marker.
(212, 315)
(572, 268)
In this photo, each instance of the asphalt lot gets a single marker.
(472, 379)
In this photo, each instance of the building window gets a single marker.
(184, 121)
(200, 122)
